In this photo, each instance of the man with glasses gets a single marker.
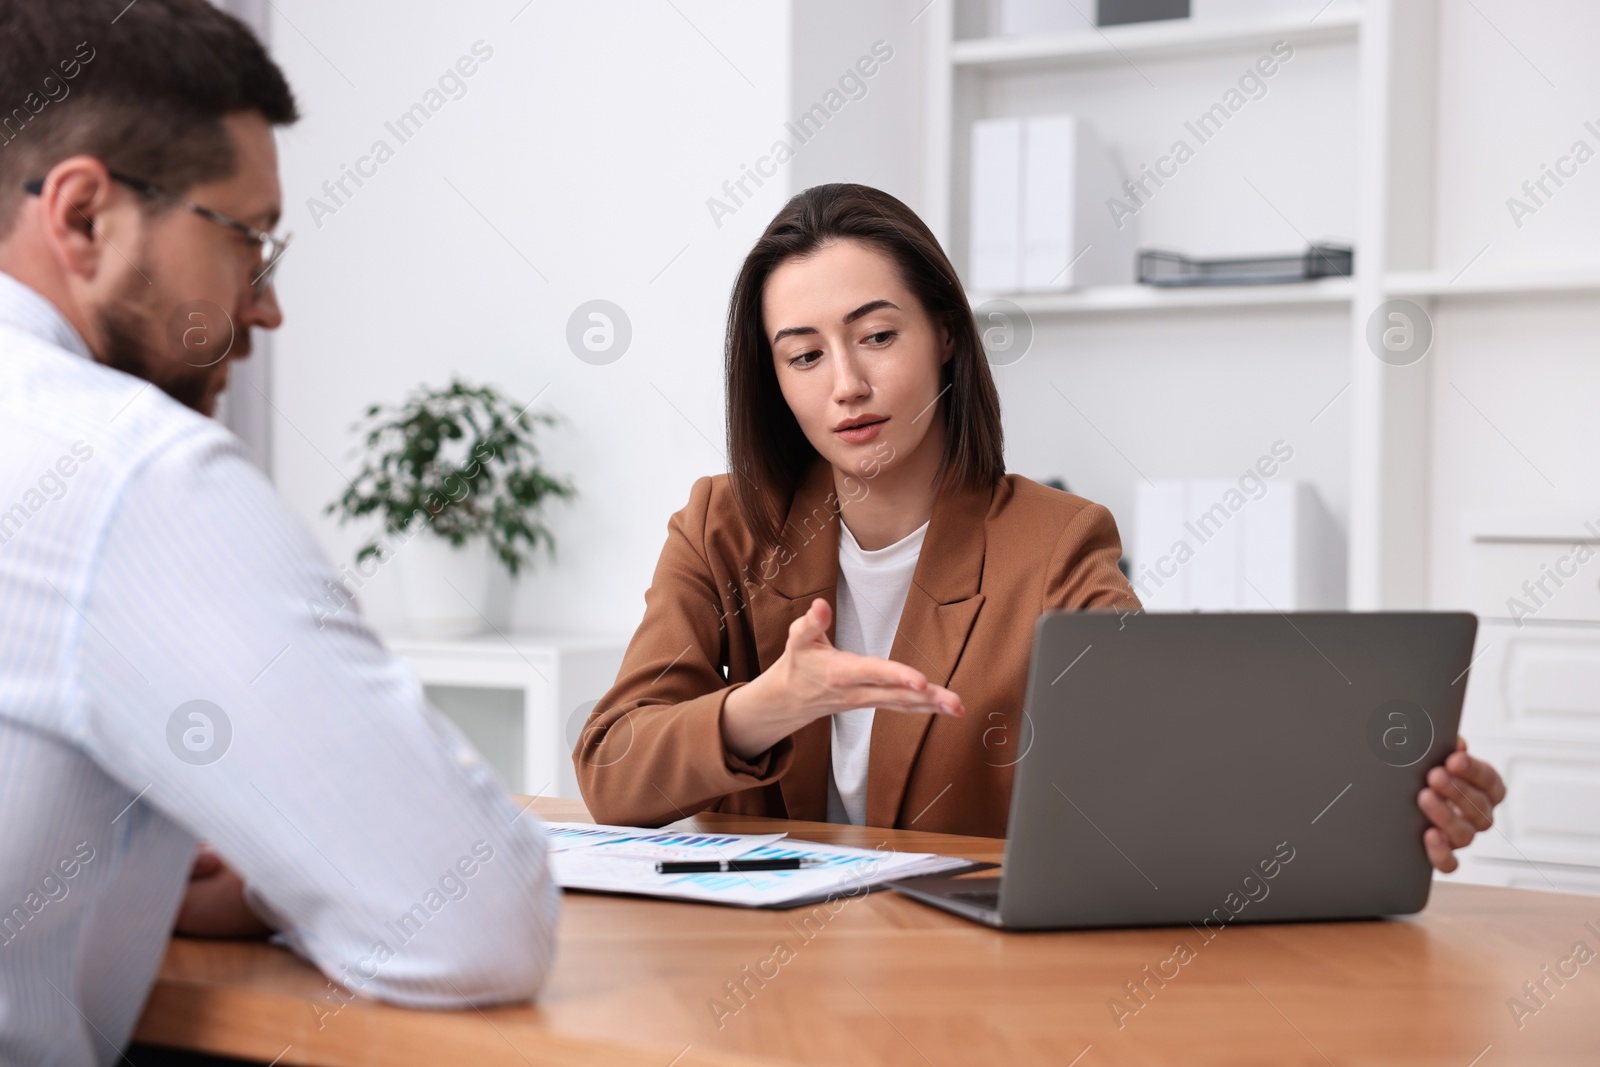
(161, 680)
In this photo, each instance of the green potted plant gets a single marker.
(453, 475)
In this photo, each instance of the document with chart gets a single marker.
(623, 859)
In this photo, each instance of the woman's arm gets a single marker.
(1083, 571)
(652, 750)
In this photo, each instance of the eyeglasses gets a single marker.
(269, 247)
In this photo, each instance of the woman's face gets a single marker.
(851, 342)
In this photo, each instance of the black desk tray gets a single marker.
(1157, 267)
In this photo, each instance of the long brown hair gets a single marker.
(767, 450)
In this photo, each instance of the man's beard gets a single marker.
(135, 345)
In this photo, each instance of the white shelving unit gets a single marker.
(1399, 127)
(1427, 283)
(1141, 298)
(519, 697)
(1173, 38)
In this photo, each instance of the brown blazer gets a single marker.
(717, 614)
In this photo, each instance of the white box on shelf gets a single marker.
(996, 205)
(1039, 221)
(1205, 545)
(1246, 10)
(1024, 18)
(1069, 237)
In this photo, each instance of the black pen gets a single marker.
(793, 863)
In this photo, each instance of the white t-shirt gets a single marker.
(872, 593)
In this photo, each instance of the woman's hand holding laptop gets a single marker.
(1459, 800)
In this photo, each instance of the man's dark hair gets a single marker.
(141, 87)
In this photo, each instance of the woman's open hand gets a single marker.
(813, 678)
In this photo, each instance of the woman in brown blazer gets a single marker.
(862, 423)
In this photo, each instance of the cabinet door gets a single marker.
(1551, 813)
(1533, 709)
(1534, 682)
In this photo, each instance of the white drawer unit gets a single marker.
(1522, 874)
(1551, 812)
(1533, 709)
(1539, 568)
(519, 697)
(1534, 682)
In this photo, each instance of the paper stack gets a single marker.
(622, 859)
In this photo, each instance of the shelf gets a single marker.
(1165, 39)
(494, 645)
(1439, 284)
(1115, 298)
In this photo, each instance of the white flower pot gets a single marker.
(444, 590)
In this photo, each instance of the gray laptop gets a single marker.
(1214, 769)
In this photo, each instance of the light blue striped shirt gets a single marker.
(162, 680)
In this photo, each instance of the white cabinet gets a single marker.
(1517, 874)
(1533, 709)
(520, 697)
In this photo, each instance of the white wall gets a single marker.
(591, 141)
(595, 135)
(875, 140)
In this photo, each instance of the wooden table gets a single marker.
(883, 980)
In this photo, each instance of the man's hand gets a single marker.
(1459, 800)
(214, 905)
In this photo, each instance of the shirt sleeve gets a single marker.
(214, 679)
(1083, 572)
(652, 751)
